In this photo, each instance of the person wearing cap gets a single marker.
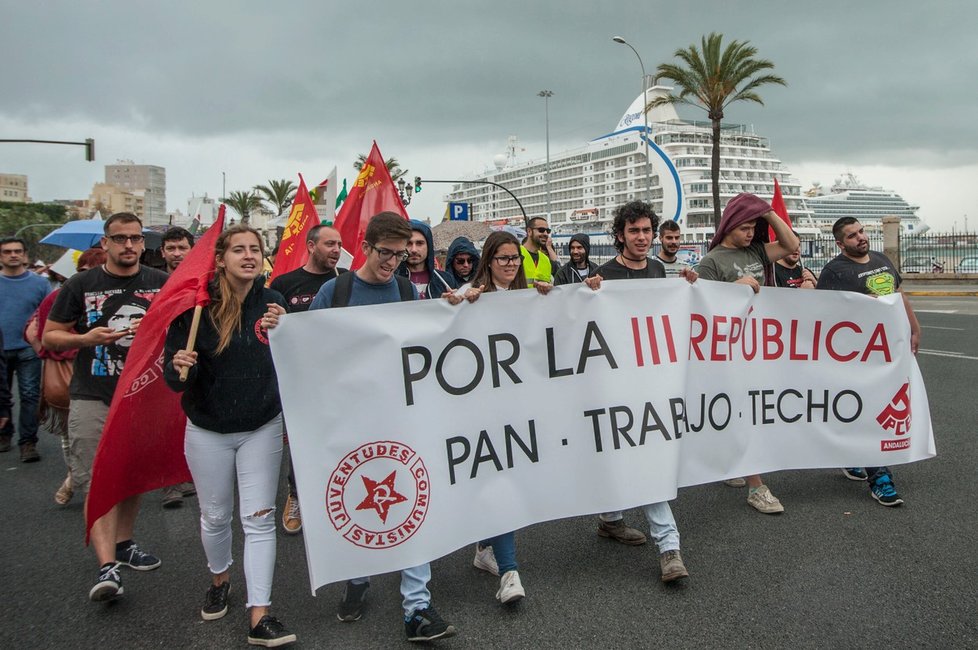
(740, 253)
(580, 266)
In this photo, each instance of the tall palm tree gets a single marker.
(278, 194)
(712, 78)
(393, 166)
(243, 203)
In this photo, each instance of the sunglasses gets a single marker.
(543, 230)
(466, 261)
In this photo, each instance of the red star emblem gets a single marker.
(380, 496)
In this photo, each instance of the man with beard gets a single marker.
(870, 273)
(299, 287)
(419, 267)
(789, 272)
(540, 261)
(81, 305)
(580, 266)
(670, 235)
(633, 230)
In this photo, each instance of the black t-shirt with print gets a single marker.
(785, 276)
(613, 270)
(300, 286)
(877, 277)
(97, 298)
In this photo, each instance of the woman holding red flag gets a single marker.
(234, 427)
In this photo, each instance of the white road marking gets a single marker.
(946, 353)
(935, 327)
(936, 311)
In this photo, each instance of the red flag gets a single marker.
(292, 252)
(373, 192)
(142, 442)
(777, 204)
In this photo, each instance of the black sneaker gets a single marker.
(881, 488)
(108, 586)
(135, 558)
(354, 599)
(270, 633)
(855, 473)
(215, 602)
(427, 625)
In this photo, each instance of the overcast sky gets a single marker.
(886, 90)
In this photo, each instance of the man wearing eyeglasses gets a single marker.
(419, 267)
(540, 261)
(90, 303)
(462, 260)
(385, 244)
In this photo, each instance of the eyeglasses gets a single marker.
(543, 230)
(122, 239)
(467, 261)
(507, 260)
(386, 253)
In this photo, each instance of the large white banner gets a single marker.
(418, 428)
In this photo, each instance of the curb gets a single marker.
(941, 293)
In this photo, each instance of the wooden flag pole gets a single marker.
(192, 339)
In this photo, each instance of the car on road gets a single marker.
(968, 264)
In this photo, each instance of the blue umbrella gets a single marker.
(80, 235)
(86, 233)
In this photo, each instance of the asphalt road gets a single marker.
(835, 570)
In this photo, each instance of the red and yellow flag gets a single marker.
(292, 251)
(373, 192)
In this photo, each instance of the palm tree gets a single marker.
(714, 77)
(393, 166)
(278, 194)
(243, 203)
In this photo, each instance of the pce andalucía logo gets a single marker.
(377, 497)
(896, 417)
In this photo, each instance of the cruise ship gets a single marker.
(589, 182)
(850, 198)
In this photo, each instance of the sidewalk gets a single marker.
(912, 288)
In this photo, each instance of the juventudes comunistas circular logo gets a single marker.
(377, 497)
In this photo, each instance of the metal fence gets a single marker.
(930, 253)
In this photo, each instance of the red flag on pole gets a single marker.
(142, 442)
(292, 252)
(777, 204)
(373, 192)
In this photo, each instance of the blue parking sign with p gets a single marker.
(458, 211)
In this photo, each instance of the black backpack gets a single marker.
(344, 287)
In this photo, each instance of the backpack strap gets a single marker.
(405, 288)
(342, 290)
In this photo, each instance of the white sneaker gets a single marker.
(762, 500)
(735, 482)
(510, 588)
(485, 560)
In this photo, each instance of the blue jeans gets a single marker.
(504, 549)
(662, 525)
(414, 588)
(27, 365)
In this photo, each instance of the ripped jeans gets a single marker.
(254, 456)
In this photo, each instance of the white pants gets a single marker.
(254, 457)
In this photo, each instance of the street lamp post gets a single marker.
(547, 94)
(404, 191)
(645, 116)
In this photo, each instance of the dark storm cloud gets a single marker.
(867, 81)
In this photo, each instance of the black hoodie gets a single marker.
(236, 390)
(567, 274)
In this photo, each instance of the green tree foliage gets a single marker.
(243, 203)
(712, 77)
(393, 166)
(31, 222)
(277, 194)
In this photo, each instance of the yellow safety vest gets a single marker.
(539, 270)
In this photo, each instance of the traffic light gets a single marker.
(90, 149)
(417, 184)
